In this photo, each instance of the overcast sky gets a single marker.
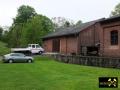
(85, 10)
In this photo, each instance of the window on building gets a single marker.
(114, 37)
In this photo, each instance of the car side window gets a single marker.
(37, 46)
(17, 55)
(33, 46)
(21, 55)
(13, 55)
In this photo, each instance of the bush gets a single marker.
(4, 49)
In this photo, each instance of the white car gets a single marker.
(32, 48)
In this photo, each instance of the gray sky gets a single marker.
(85, 10)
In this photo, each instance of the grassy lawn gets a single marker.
(47, 74)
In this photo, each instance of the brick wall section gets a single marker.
(63, 46)
(108, 49)
(97, 28)
(87, 37)
(47, 45)
(71, 45)
(68, 45)
(100, 34)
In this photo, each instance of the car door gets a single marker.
(18, 57)
(33, 50)
(15, 57)
(21, 58)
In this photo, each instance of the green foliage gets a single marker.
(67, 24)
(4, 36)
(28, 27)
(116, 10)
(47, 74)
(24, 13)
(13, 36)
(61, 22)
(3, 48)
(78, 23)
(1, 33)
(35, 29)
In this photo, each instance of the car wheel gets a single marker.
(40, 52)
(29, 61)
(10, 61)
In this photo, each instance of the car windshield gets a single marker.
(37, 46)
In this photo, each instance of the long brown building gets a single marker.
(99, 37)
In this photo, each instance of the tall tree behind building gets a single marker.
(1, 33)
(116, 10)
(27, 27)
(78, 23)
(24, 13)
(35, 29)
(62, 22)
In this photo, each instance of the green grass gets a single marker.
(3, 48)
(47, 74)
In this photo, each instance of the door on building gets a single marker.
(56, 45)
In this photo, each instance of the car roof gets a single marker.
(33, 44)
(16, 53)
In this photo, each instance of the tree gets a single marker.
(35, 29)
(5, 37)
(1, 33)
(79, 22)
(24, 13)
(28, 27)
(62, 22)
(116, 10)
(67, 24)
